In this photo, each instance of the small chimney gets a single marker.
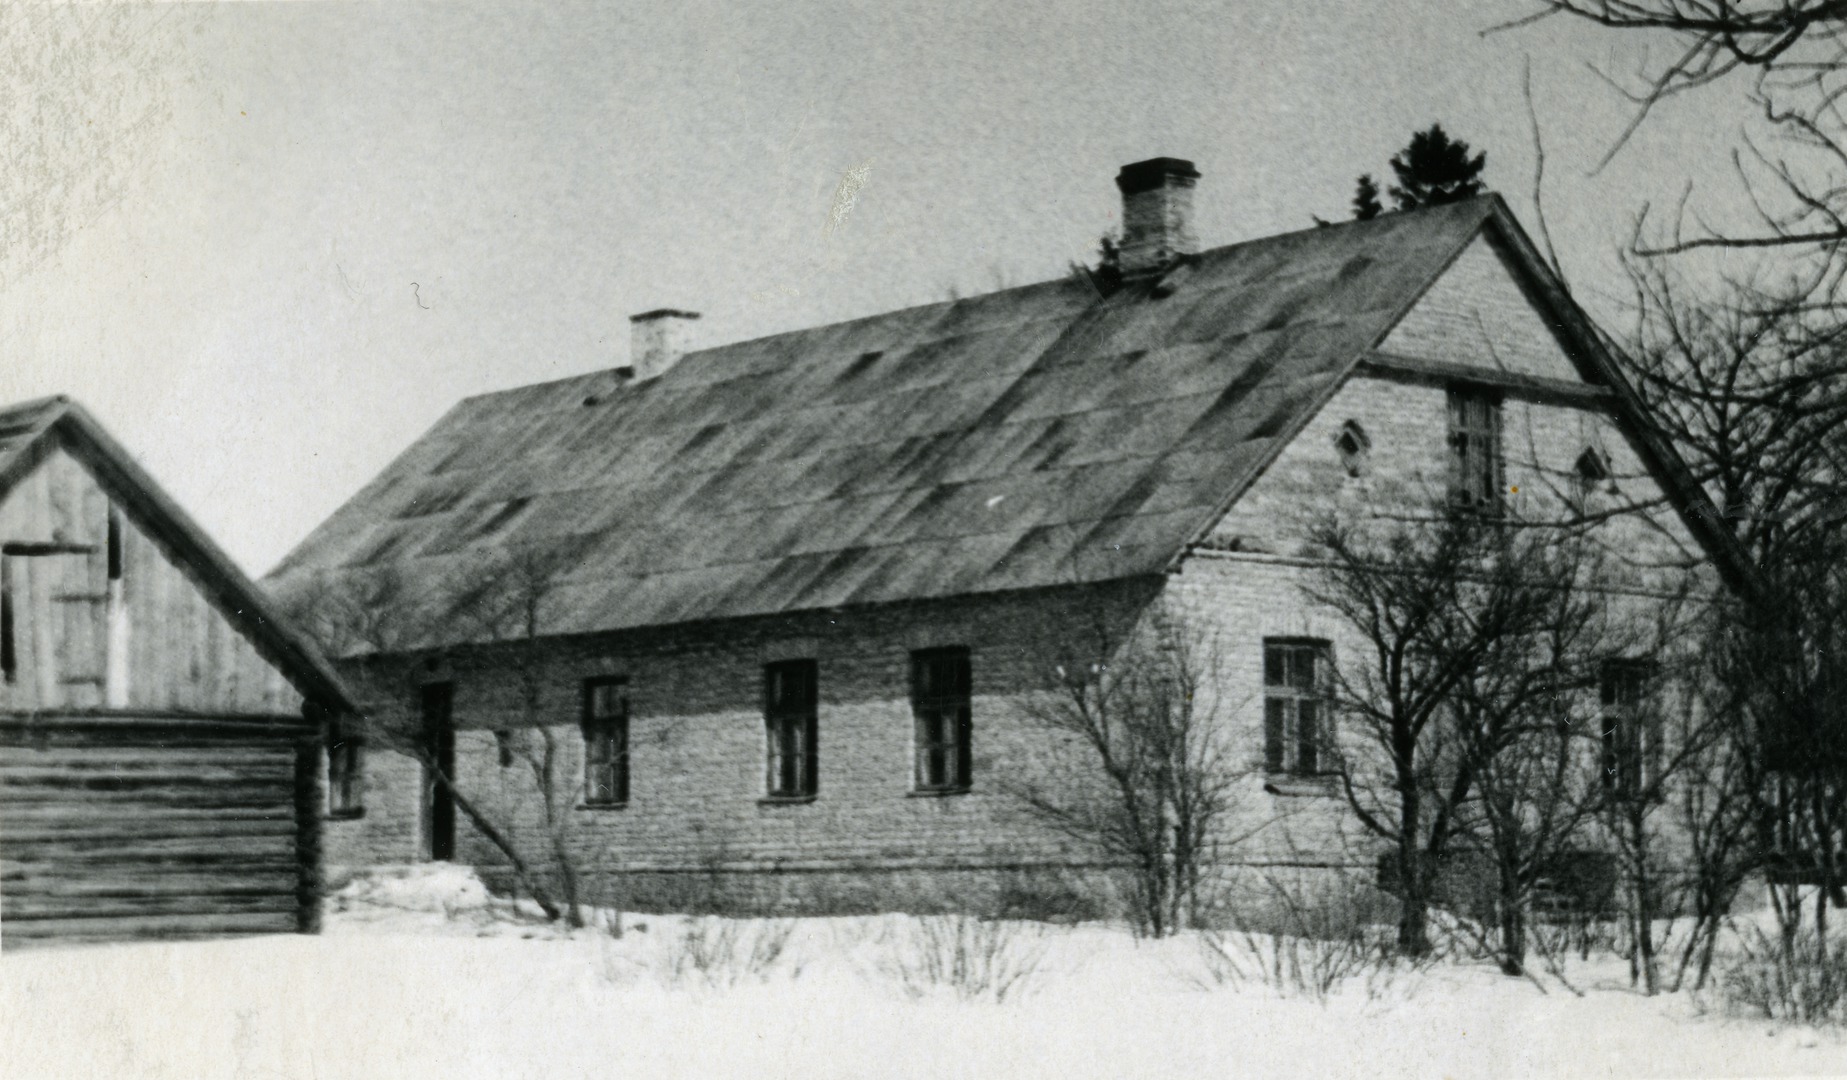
(1157, 210)
(657, 340)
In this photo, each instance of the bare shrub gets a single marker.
(1802, 982)
(1560, 938)
(720, 953)
(1311, 940)
(1052, 898)
(1150, 777)
(976, 959)
(1473, 629)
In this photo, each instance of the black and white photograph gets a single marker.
(853, 539)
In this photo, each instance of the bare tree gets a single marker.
(1786, 57)
(1712, 786)
(1671, 794)
(1470, 627)
(511, 613)
(366, 620)
(1152, 775)
(1749, 381)
(1522, 717)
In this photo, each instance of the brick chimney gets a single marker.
(1157, 208)
(657, 340)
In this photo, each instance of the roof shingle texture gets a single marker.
(1029, 437)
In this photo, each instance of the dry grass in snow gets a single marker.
(423, 975)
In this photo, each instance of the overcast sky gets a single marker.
(268, 244)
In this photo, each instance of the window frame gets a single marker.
(606, 743)
(1284, 740)
(1474, 416)
(1589, 473)
(791, 722)
(941, 754)
(1630, 751)
(1354, 448)
(345, 772)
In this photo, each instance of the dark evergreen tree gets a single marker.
(1435, 169)
(1366, 205)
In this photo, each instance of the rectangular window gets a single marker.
(1631, 732)
(115, 617)
(605, 742)
(345, 771)
(1295, 707)
(1475, 448)
(940, 704)
(113, 544)
(789, 704)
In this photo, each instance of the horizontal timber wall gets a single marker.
(118, 826)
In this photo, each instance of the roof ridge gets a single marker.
(1485, 201)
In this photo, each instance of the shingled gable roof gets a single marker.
(1029, 437)
(30, 431)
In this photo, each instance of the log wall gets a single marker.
(117, 826)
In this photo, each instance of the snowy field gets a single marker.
(424, 976)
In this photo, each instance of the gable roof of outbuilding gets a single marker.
(1029, 437)
(31, 430)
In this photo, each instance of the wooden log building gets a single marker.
(160, 728)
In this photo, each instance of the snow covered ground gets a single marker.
(422, 975)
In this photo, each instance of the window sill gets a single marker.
(785, 800)
(1319, 786)
(594, 806)
(935, 793)
(345, 815)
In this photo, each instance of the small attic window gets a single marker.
(1591, 471)
(1353, 447)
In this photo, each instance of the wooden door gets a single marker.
(439, 733)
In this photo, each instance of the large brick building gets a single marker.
(778, 603)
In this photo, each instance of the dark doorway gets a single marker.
(439, 736)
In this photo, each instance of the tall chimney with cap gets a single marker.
(657, 340)
(1157, 211)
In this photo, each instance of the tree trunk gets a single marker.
(500, 841)
(1413, 880)
(567, 881)
(1513, 921)
(1414, 902)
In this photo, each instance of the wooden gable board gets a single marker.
(92, 461)
(172, 647)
